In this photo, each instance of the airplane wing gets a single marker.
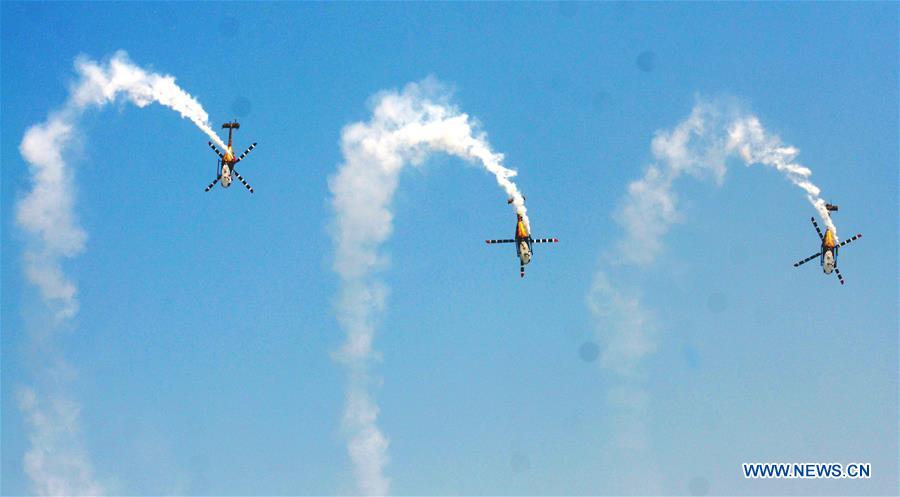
(215, 150)
(821, 237)
(546, 240)
(845, 242)
(804, 261)
(508, 240)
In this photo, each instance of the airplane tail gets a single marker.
(233, 125)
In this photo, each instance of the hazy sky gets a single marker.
(202, 357)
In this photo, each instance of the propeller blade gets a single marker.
(845, 242)
(508, 240)
(546, 240)
(821, 237)
(804, 261)
(213, 147)
(245, 153)
(521, 270)
(208, 188)
(247, 185)
(838, 273)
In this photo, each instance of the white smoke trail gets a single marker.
(56, 462)
(699, 146)
(629, 331)
(46, 212)
(756, 146)
(405, 128)
(102, 84)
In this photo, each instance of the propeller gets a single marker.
(804, 261)
(208, 188)
(845, 242)
(247, 185)
(249, 149)
(838, 272)
(816, 225)
(213, 147)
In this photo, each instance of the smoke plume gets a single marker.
(405, 129)
(700, 146)
(56, 462)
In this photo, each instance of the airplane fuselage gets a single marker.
(523, 242)
(828, 261)
(523, 250)
(227, 161)
(829, 252)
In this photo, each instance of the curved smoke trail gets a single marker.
(57, 462)
(699, 146)
(406, 127)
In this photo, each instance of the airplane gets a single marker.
(227, 161)
(829, 251)
(524, 243)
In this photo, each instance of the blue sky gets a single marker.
(202, 351)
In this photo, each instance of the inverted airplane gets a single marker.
(225, 165)
(829, 249)
(524, 243)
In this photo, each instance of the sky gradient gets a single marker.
(202, 357)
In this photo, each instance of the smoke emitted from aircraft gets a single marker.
(406, 127)
(756, 146)
(628, 329)
(101, 84)
(701, 146)
(46, 212)
(56, 462)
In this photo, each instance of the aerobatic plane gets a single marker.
(524, 243)
(225, 165)
(829, 249)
